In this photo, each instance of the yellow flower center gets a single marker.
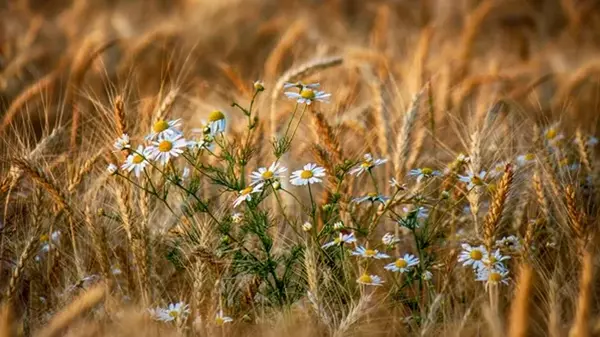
(476, 181)
(267, 175)
(551, 134)
(160, 126)
(476, 255)
(366, 164)
(337, 240)
(219, 321)
(564, 162)
(246, 190)
(137, 159)
(495, 277)
(529, 156)
(370, 253)
(173, 313)
(401, 263)
(426, 171)
(365, 279)
(215, 116)
(307, 93)
(306, 174)
(165, 146)
(44, 238)
(372, 195)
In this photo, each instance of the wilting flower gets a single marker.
(307, 94)
(112, 168)
(216, 122)
(372, 197)
(221, 319)
(162, 128)
(473, 180)
(403, 264)
(395, 184)
(472, 256)
(369, 253)
(424, 173)
(511, 242)
(246, 194)
(310, 174)
(136, 161)
(166, 147)
(371, 280)
(341, 239)
(427, 275)
(338, 225)
(122, 142)
(367, 164)
(389, 239)
(264, 174)
(421, 212)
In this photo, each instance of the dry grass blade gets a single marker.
(519, 313)
(62, 320)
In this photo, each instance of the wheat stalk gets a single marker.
(492, 219)
(519, 313)
(581, 324)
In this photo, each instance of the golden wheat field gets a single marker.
(299, 168)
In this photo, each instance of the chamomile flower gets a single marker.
(473, 179)
(166, 147)
(369, 253)
(495, 260)
(246, 194)
(48, 242)
(174, 312)
(492, 276)
(372, 197)
(367, 164)
(389, 239)
(136, 161)
(274, 172)
(216, 122)
(259, 85)
(553, 135)
(307, 93)
(424, 173)
(525, 159)
(421, 211)
(498, 169)
(402, 264)
(163, 128)
(370, 280)
(112, 169)
(237, 218)
(221, 319)
(472, 256)
(122, 142)
(342, 238)
(310, 174)
(510, 243)
(427, 275)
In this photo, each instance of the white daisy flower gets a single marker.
(427, 275)
(494, 260)
(473, 180)
(424, 173)
(307, 93)
(402, 264)
(246, 194)
(48, 242)
(221, 319)
(421, 211)
(237, 218)
(112, 168)
(136, 161)
(307, 226)
(525, 159)
(216, 122)
(341, 239)
(592, 141)
(163, 128)
(122, 143)
(369, 253)
(370, 280)
(274, 172)
(175, 312)
(310, 174)
(167, 147)
(498, 169)
(492, 276)
(553, 135)
(367, 164)
(389, 239)
(372, 197)
(511, 242)
(472, 256)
